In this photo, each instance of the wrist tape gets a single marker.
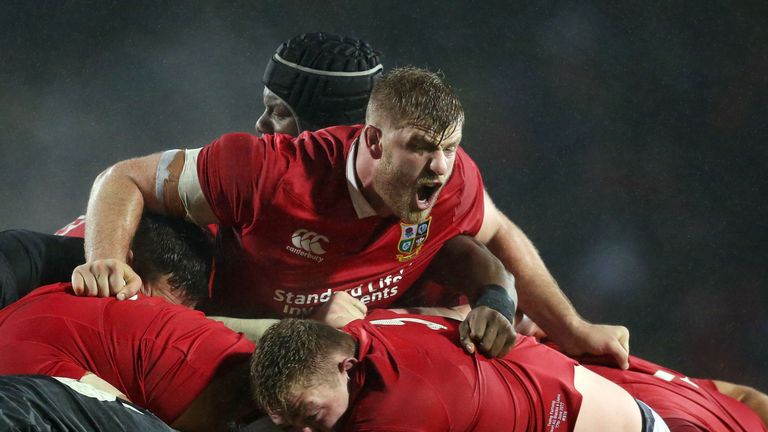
(497, 298)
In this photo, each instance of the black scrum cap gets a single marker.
(325, 78)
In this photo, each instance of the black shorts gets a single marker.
(30, 259)
(42, 403)
(652, 422)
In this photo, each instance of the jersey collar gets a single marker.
(362, 207)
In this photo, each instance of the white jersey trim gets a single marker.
(191, 194)
(86, 389)
(362, 207)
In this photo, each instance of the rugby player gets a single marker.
(393, 372)
(153, 350)
(361, 209)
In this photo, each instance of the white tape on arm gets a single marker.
(191, 194)
(163, 174)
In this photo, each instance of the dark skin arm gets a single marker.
(465, 265)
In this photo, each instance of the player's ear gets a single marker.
(129, 258)
(277, 419)
(373, 141)
(347, 364)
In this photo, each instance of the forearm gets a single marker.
(253, 329)
(118, 198)
(538, 293)
(467, 267)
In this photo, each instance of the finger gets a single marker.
(489, 337)
(619, 354)
(358, 307)
(91, 287)
(508, 344)
(477, 325)
(78, 283)
(132, 283)
(624, 338)
(504, 340)
(466, 341)
(102, 283)
(353, 311)
(116, 283)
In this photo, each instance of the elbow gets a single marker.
(115, 171)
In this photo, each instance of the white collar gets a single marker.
(362, 207)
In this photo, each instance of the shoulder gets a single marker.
(318, 147)
(330, 144)
(409, 404)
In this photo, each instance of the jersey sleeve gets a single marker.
(470, 211)
(237, 171)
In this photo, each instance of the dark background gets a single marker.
(627, 141)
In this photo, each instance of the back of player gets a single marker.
(424, 379)
(161, 356)
(686, 404)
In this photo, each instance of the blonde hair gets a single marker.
(410, 96)
(294, 354)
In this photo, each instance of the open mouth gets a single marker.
(426, 195)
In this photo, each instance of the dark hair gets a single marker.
(325, 78)
(164, 245)
(294, 354)
(417, 97)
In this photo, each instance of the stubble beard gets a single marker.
(397, 194)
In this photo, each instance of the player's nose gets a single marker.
(438, 163)
(264, 124)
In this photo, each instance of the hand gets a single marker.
(340, 310)
(595, 341)
(488, 328)
(102, 278)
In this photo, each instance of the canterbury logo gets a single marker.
(309, 241)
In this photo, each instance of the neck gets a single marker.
(364, 167)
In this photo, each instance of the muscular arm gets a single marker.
(465, 265)
(119, 196)
(541, 297)
(756, 400)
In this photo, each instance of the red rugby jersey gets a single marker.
(160, 355)
(414, 376)
(684, 403)
(297, 235)
(76, 228)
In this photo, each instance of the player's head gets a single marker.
(413, 129)
(299, 373)
(316, 80)
(173, 259)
